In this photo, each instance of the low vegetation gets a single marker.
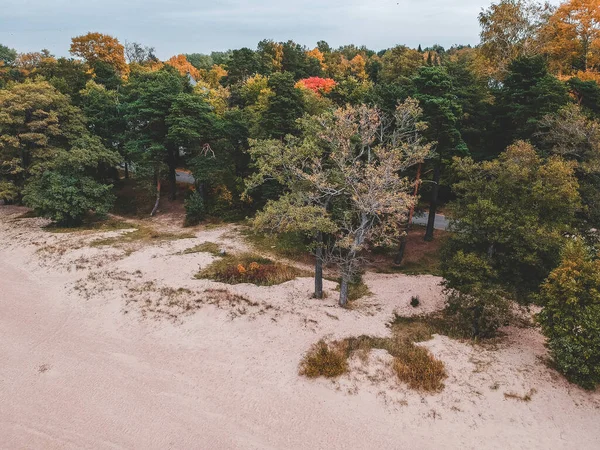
(325, 359)
(250, 268)
(523, 398)
(412, 364)
(286, 245)
(93, 224)
(141, 234)
(420, 257)
(571, 315)
(357, 290)
(205, 247)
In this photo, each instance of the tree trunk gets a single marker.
(172, 174)
(157, 176)
(344, 290)
(319, 267)
(126, 171)
(434, 201)
(411, 212)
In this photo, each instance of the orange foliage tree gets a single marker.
(94, 47)
(317, 84)
(572, 37)
(26, 62)
(184, 67)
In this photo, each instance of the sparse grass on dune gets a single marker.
(249, 268)
(420, 257)
(356, 290)
(206, 247)
(286, 245)
(94, 224)
(141, 234)
(427, 325)
(413, 365)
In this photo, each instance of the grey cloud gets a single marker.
(201, 26)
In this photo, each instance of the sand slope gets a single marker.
(94, 356)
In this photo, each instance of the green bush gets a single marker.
(571, 315)
(478, 310)
(66, 199)
(194, 209)
(476, 305)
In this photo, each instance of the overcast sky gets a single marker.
(178, 26)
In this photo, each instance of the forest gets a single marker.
(342, 147)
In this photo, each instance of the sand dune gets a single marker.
(95, 355)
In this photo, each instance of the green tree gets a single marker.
(200, 60)
(442, 111)
(284, 107)
(242, 64)
(399, 63)
(36, 122)
(510, 214)
(587, 94)
(164, 117)
(573, 135)
(71, 184)
(297, 62)
(571, 316)
(528, 94)
(68, 76)
(7, 55)
(105, 113)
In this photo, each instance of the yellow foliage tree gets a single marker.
(213, 76)
(358, 67)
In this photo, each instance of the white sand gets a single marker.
(92, 356)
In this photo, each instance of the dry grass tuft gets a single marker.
(249, 268)
(205, 247)
(413, 365)
(417, 367)
(324, 359)
(412, 329)
(524, 398)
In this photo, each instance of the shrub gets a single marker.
(249, 268)
(66, 199)
(324, 359)
(194, 209)
(414, 301)
(479, 310)
(571, 315)
(477, 307)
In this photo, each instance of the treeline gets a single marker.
(340, 144)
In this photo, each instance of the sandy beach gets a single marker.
(105, 348)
